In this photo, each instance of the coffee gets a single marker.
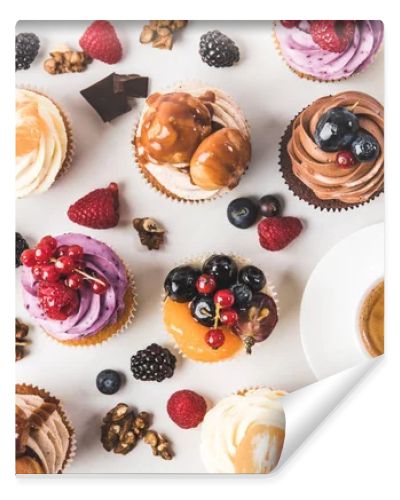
(372, 320)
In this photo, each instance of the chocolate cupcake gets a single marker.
(332, 153)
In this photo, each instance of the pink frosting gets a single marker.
(303, 55)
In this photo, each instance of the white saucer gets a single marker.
(332, 298)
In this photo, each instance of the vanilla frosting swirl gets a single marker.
(318, 169)
(41, 142)
(244, 433)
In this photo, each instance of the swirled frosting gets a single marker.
(244, 433)
(47, 437)
(305, 56)
(41, 142)
(318, 169)
(175, 177)
(95, 311)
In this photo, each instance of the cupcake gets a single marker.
(328, 50)
(244, 433)
(77, 289)
(217, 307)
(192, 143)
(332, 153)
(44, 143)
(45, 439)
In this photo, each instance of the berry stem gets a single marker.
(351, 108)
(217, 314)
(89, 277)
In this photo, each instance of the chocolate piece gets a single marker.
(111, 97)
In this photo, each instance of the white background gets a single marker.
(341, 456)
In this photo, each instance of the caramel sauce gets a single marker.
(372, 320)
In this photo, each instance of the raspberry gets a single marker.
(334, 36)
(100, 41)
(186, 408)
(57, 300)
(99, 209)
(289, 24)
(276, 233)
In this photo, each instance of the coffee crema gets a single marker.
(372, 320)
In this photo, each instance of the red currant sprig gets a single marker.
(224, 300)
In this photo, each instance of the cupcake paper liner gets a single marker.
(149, 178)
(240, 261)
(303, 192)
(32, 389)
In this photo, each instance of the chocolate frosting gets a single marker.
(318, 169)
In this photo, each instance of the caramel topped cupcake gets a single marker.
(193, 143)
(333, 152)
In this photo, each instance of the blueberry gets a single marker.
(336, 129)
(243, 295)
(269, 206)
(252, 277)
(108, 381)
(203, 310)
(222, 268)
(242, 212)
(180, 284)
(365, 147)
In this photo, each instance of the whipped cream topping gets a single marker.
(41, 142)
(176, 178)
(244, 433)
(49, 438)
(305, 56)
(95, 311)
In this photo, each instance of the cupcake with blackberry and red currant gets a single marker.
(43, 140)
(332, 153)
(77, 289)
(218, 307)
(44, 437)
(328, 50)
(244, 433)
(192, 143)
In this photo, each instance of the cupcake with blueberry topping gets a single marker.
(218, 307)
(192, 143)
(328, 50)
(332, 154)
(77, 289)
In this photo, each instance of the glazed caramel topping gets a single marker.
(372, 320)
(174, 126)
(220, 159)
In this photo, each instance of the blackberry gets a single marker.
(216, 49)
(26, 49)
(20, 246)
(153, 363)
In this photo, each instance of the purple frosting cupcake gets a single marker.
(306, 58)
(98, 316)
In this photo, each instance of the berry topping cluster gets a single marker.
(220, 295)
(59, 272)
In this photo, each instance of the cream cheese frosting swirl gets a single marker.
(41, 142)
(175, 177)
(318, 169)
(244, 433)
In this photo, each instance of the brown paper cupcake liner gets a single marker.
(303, 192)
(32, 389)
(152, 181)
(68, 127)
(240, 261)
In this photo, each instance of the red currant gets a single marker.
(345, 159)
(37, 271)
(80, 265)
(74, 281)
(65, 265)
(28, 257)
(215, 338)
(62, 250)
(43, 254)
(224, 298)
(75, 251)
(49, 273)
(206, 284)
(289, 24)
(99, 287)
(229, 317)
(48, 241)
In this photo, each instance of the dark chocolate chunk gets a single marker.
(132, 85)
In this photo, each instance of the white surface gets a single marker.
(270, 96)
(339, 283)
